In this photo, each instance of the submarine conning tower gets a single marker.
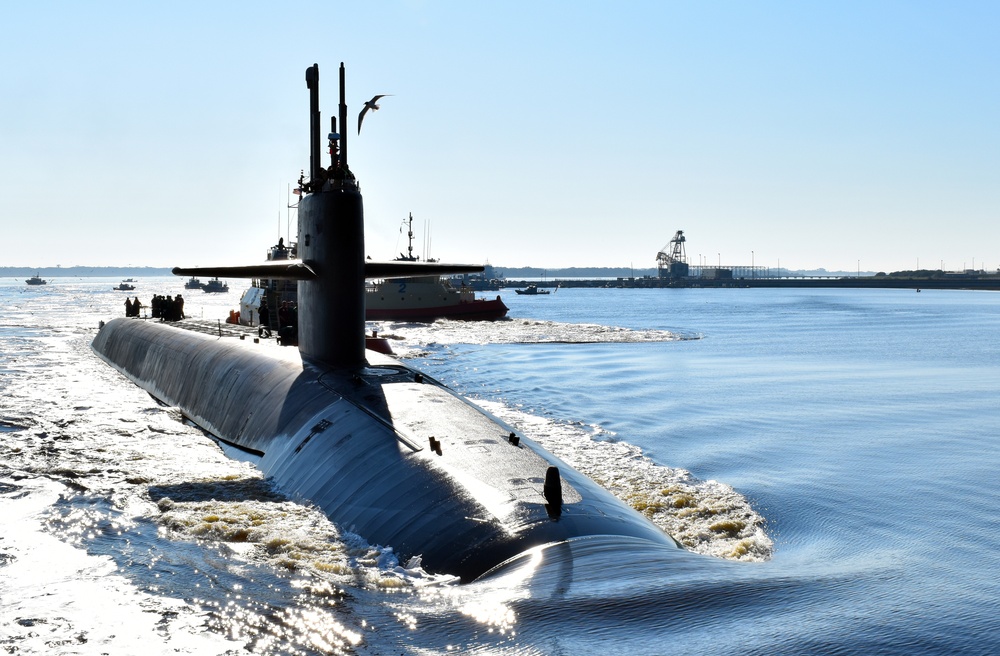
(332, 244)
(332, 268)
(332, 307)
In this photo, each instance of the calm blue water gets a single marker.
(861, 425)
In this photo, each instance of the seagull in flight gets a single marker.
(371, 104)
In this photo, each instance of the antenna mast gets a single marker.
(312, 82)
(343, 120)
(409, 235)
(334, 138)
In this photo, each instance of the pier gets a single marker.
(674, 271)
(987, 282)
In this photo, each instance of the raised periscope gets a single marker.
(386, 451)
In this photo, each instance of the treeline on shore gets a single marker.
(511, 273)
(933, 274)
(515, 272)
(84, 272)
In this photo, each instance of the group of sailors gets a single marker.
(171, 308)
(286, 324)
(132, 307)
(167, 308)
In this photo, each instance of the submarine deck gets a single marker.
(469, 443)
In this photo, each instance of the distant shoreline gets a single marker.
(83, 272)
(606, 278)
(953, 281)
(515, 273)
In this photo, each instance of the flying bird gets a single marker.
(371, 104)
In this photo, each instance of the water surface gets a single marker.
(829, 456)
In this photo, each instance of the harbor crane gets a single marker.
(671, 261)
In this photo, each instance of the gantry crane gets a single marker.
(671, 261)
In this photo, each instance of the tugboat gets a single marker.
(36, 280)
(215, 285)
(193, 283)
(416, 298)
(425, 298)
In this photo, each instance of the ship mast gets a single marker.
(409, 235)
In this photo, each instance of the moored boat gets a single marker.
(490, 280)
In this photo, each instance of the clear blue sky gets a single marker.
(547, 134)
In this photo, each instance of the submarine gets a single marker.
(386, 451)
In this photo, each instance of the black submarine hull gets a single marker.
(358, 444)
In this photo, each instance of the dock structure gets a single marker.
(675, 271)
(988, 282)
(671, 260)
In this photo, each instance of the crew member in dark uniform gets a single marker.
(264, 329)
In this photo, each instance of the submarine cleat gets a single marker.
(385, 450)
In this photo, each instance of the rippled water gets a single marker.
(829, 457)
